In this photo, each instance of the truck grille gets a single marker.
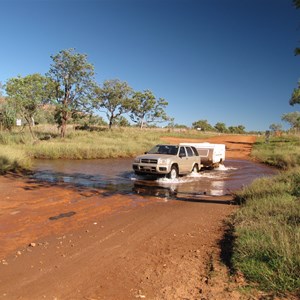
(148, 161)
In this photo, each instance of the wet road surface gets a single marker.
(116, 175)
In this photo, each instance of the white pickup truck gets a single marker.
(169, 160)
(212, 155)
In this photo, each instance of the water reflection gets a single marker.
(116, 175)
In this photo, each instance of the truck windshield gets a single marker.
(164, 149)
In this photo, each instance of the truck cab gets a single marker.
(168, 160)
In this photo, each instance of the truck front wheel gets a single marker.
(173, 173)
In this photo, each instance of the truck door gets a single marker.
(183, 164)
(191, 158)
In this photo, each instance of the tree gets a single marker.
(145, 108)
(45, 114)
(241, 129)
(275, 127)
(203, 125)
(293, 118)
(1, 89)
(90, 122)
(7, 116)
(114, 97)
(296, 3)
(221, 127)
(176, 126)
(122, 122)
(75, 85)
(237, 129)
(96, 120)
(295, 98)
(27, 94)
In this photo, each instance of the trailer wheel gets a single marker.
(173, 173)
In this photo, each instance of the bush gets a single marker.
(13, 160)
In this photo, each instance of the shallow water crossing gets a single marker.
(116, 176)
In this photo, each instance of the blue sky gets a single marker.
(228, 61)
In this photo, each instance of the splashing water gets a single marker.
(222, 167)
(116, 175)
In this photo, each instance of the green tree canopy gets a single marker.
(27, 94)
(221, 127)
(114, 98)
(203, 125)
(237, 129)
(293, 119)
(177, 126)
(145, 108)
(275, 127)
(296, 3)
(122, 122)
(295, 98)
(1, 89)
(7, 115)
(75, 85)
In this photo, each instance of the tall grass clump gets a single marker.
(92, 145)
(14, 138)
(281, 152)
(102, 143)
(267, 226)
(13, 160)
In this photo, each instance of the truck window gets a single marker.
(189, 151)
(182, 152)
(164, 149)
(195, 151)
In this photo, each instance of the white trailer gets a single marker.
(212, 155)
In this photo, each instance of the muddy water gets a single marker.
(116, 176)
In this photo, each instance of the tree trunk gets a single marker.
(110, 122)
(63, 129)
(64, 120)
(142, 123)
(30, 127)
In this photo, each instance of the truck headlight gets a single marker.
(137, 160)
(163, 161)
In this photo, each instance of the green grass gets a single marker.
(91, 145)
(82, 144)
(13, 160)
(281, 152)
(267, 226)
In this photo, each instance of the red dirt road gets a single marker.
(112, 247)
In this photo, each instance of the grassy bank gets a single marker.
(13, 160)
(96, 143)
(281, 152)
(267, 226)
